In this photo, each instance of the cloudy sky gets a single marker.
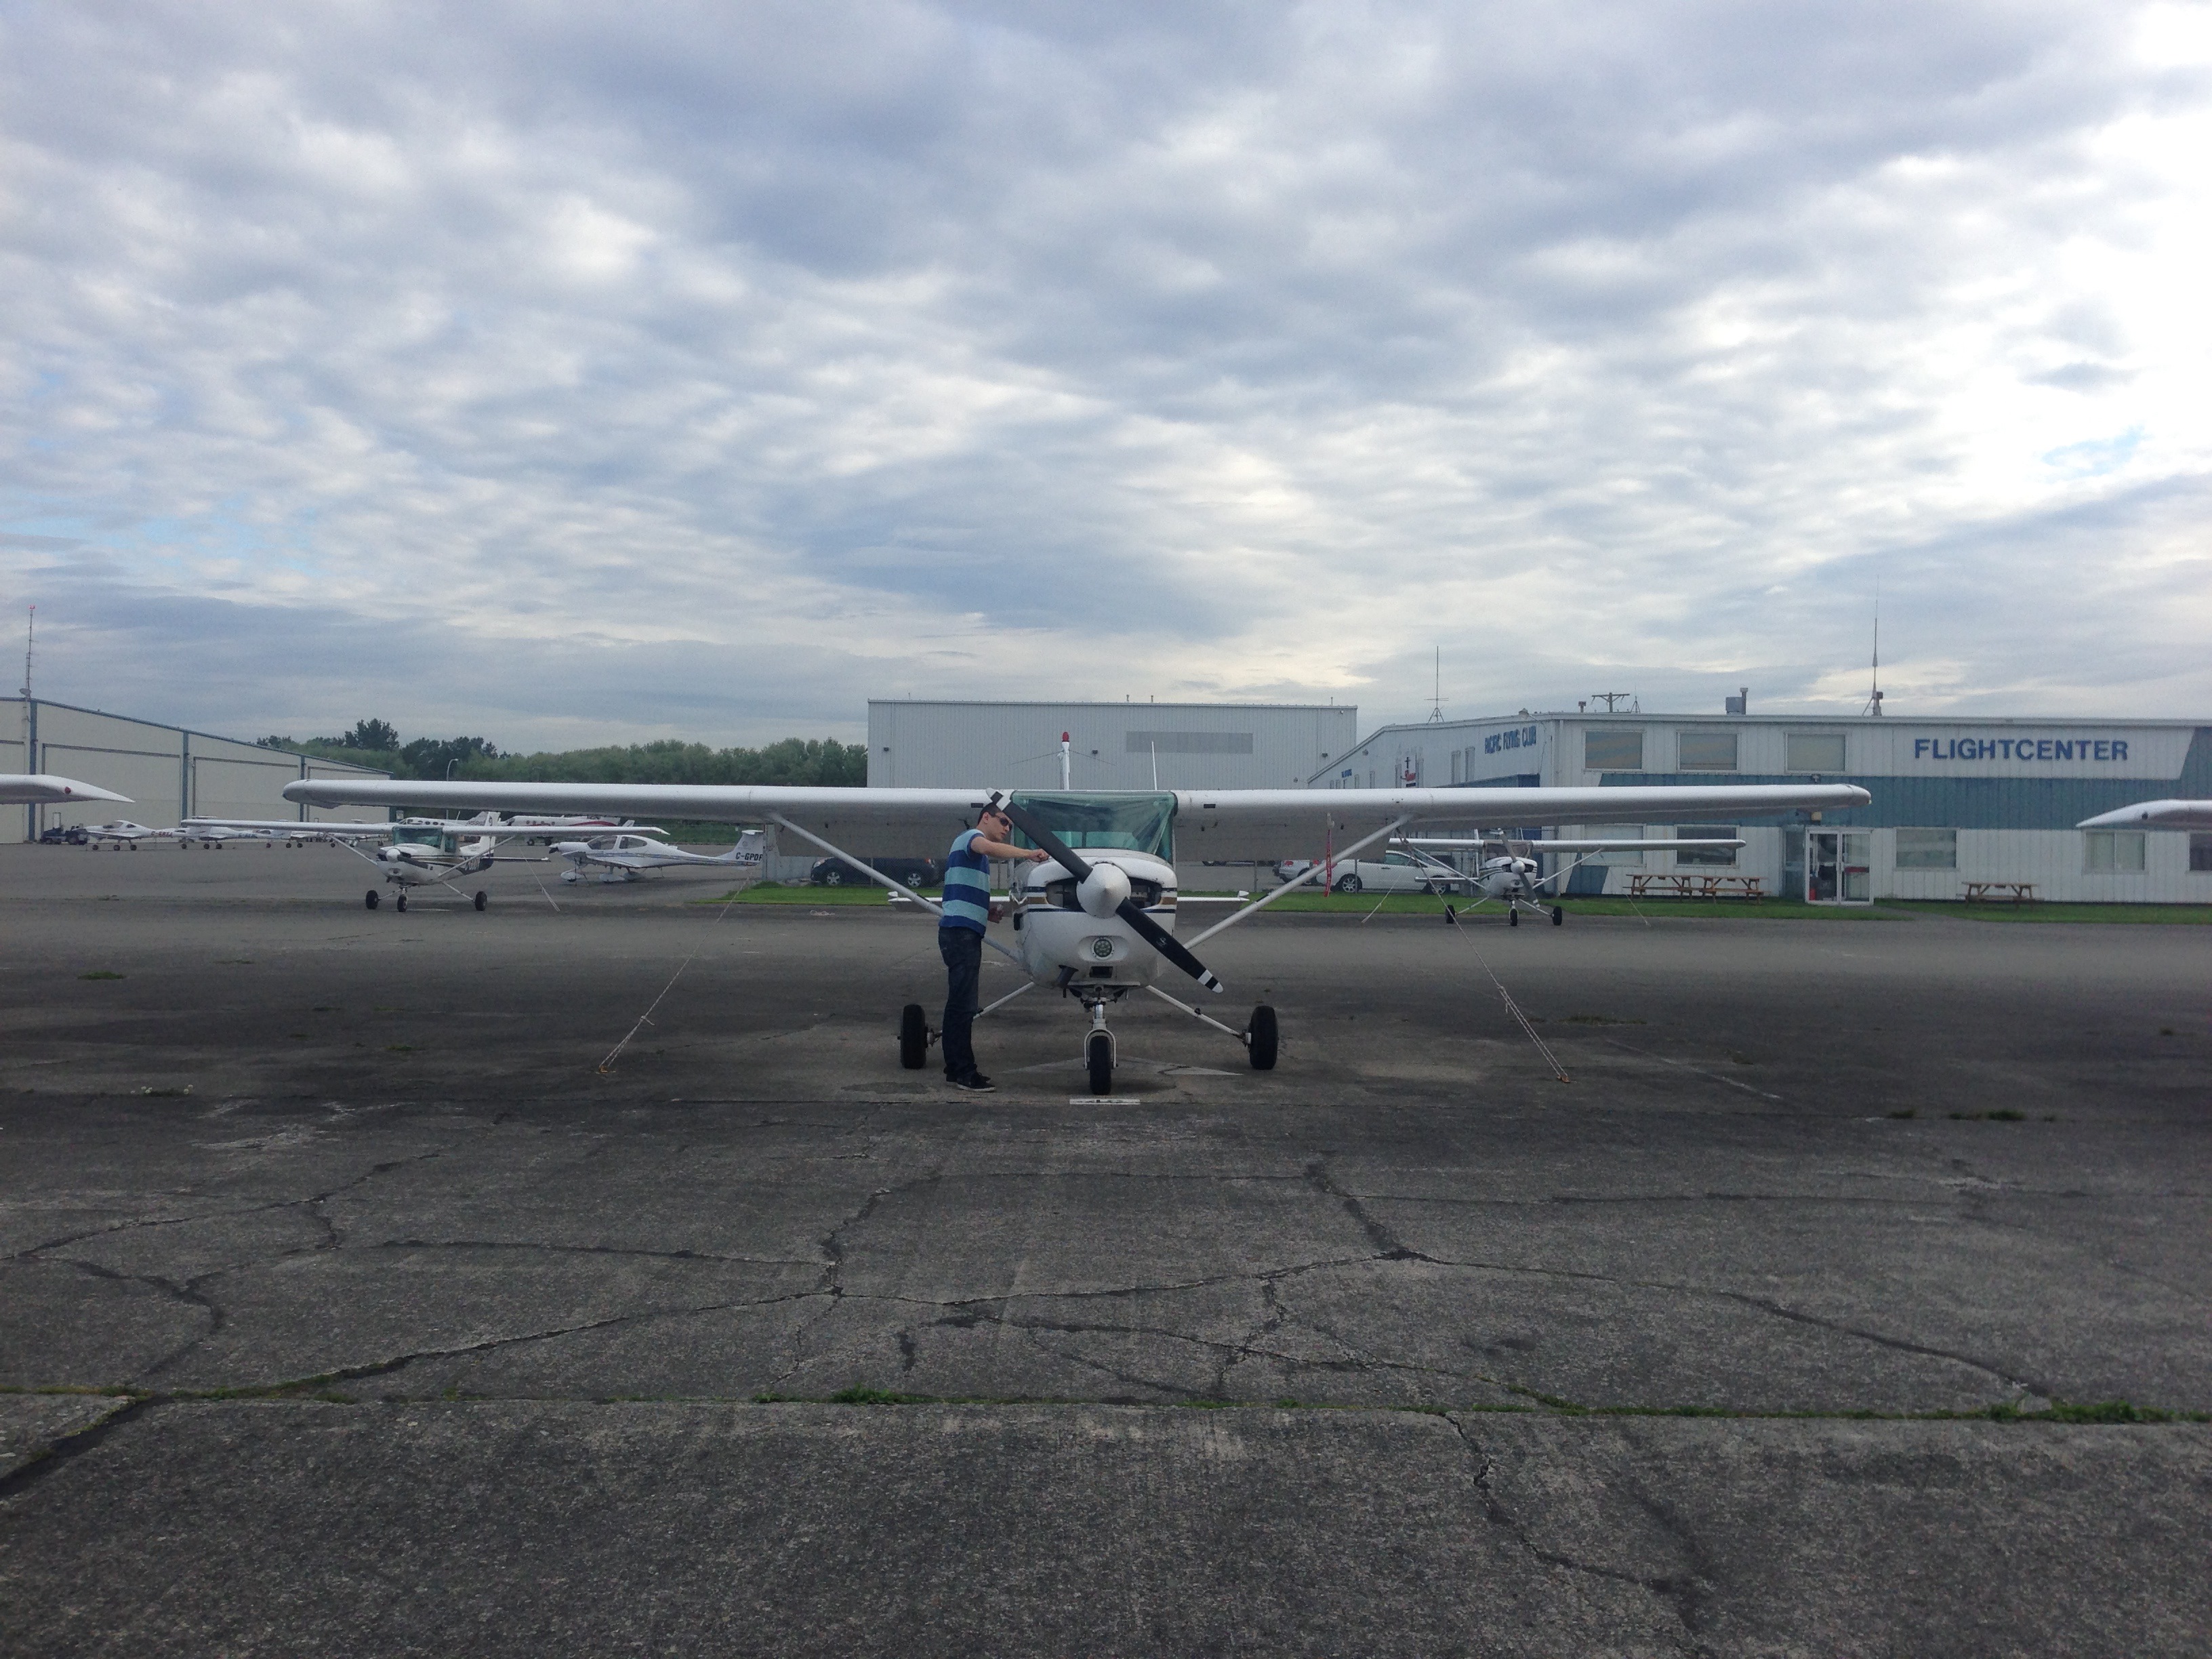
(571, 373)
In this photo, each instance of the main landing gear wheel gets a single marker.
(1261, 1035)
(399, 904)
(372, 898)
(914, 1037)
(482, 898)
(1098, 1055)
(1559, 915)
(1513, 918)
(1347, 883)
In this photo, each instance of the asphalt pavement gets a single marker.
(585, 1275)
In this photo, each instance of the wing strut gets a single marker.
(1231, 920)
(874, 874)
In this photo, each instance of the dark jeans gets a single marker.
(962, 951)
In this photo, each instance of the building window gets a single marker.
(1926, 849)
(2200, 852)
(1708, 751)
(1813, 751)
(1617, 832)
(1724, 857)
(2112, 852)
(1613, 751)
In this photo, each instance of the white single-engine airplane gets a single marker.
(123, 833)
(1094, 924)
(2155, 814)
(1513, 876)
(631, 855)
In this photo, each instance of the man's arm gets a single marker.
(999, 850)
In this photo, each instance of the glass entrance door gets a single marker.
(1838, 869)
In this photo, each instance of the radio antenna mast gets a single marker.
(1874, 699)
(1436, 696)
(30, 638)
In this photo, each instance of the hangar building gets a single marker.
(168, 772)
(1955, 800)
(1112, 745)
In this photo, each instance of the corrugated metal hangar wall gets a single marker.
(1114, 746)
(169, 773)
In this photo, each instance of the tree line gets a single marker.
(817, 761)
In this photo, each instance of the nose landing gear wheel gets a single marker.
(482, 898)
(914, 1037)
(1513, 918)
(1559, 915)
(1262, 1038)
(1098, 1055)
(372, 898)
(399, 904)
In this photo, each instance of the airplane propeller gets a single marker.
(1104, 890)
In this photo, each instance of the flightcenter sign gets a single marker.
(2021, 750)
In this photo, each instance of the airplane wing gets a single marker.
(288, 826)
(46, 789)
(1617, 844)
(1231, 825)
(2155, 814)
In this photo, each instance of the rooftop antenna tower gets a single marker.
(30, 638)
(1610, 698)
(1436, 696)
(1874, 697)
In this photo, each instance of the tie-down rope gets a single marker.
(1511, 1007)
(644, 1020)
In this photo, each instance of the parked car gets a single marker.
(914, 872)
(58, 835)
(1394, 872)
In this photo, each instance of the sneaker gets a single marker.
(975, 1082)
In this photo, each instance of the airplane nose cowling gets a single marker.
(1101, 893)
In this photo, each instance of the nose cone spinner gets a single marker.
(1104, 890)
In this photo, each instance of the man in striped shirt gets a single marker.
(960, 935)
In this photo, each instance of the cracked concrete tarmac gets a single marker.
(300, 1151)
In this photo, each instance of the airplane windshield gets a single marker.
(416, 837)
(1140, 823)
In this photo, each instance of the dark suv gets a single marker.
(56, 835)
(914, 872)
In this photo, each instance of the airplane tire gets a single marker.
(1263, 1038)
(482, 898)
(372, 899)
(1347, 883)
(1559, 915)
(914, 1037)
(399, 904)
(1512, 918)
(1098, 1054)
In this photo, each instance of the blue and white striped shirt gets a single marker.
(967, 885)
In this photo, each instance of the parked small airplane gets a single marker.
(48, 789)
(1095, 925)
(631, 855)
(1513, 874)
(2155, 814)
(123, 833)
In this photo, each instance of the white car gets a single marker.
(1394, 872)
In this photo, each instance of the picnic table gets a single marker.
(2015, 892)
(1684, 883)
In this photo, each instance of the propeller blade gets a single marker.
(1062, 854)
(1165, 943)
(1129, 910)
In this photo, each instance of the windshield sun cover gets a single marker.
(1138, 822)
